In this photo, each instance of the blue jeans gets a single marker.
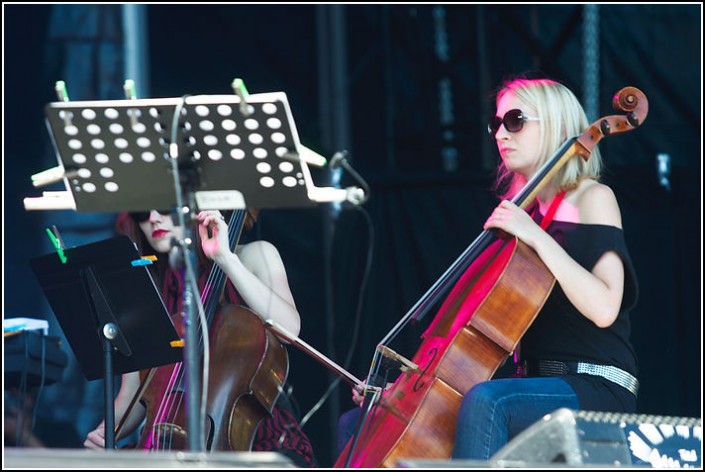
(346, 427)
(495, 411)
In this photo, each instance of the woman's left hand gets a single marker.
(512, 219)
(213, 231)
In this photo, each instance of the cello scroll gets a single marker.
(634, 106)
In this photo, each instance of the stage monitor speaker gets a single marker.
(36, 458)
(577, 438)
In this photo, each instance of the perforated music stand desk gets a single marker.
(115, 153)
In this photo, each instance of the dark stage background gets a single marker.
(414, 98)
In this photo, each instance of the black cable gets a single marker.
(363, 285)
(358, 317)
(19, 422)
(41, 384)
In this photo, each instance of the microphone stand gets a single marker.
(189, 261)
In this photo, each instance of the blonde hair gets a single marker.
(562, 116)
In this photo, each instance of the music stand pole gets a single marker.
(189, 263)
(193, 356)
(109, 389)
(188, 266)
(112, 339)
(192, 352)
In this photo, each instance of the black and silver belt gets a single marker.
(613, 374)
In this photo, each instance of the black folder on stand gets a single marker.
(107, 282)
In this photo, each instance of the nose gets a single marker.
(501, 133)
(154, 215)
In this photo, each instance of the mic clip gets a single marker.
(354, 195)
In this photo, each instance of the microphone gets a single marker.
(338, 160)
(354, 195)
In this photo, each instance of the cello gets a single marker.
(478, 325)
(248, 366)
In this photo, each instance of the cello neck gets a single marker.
(522, 199)
(215, 284)
(545, 173)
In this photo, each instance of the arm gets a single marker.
(597, 294)
(256, 270)
(130, 383)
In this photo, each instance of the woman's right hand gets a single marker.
(96, 438)
(357, 395)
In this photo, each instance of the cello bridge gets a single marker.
(169, 432)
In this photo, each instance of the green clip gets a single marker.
(130, 90)
(59, 249)
(240, 89)
(61, 92)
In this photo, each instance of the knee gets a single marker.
(346, 423)
(346, 427)
(348, 417)
(482, 396)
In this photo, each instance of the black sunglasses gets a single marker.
(142, 216)
(513, 121)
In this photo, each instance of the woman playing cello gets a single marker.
(577, 353)
(256, 279)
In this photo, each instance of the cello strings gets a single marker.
(469, 254)
(164, 407)
(172, 405)
(169, 406)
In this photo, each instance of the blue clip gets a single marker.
(141, 262)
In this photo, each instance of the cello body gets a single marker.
(477, 327)
(248, 367)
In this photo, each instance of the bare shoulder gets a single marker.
(256, 247)
(597, 204)
(257, 252)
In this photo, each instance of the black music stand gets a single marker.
(213, 152)
(210, 151)
(110, 311)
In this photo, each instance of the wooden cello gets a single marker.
(248, 366)
(500, 285)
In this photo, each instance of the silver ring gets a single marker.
(221, 217)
